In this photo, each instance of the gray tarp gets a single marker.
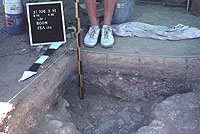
(138, 29)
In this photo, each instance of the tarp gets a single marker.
(138, 29)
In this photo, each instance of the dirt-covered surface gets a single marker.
(97, 113)
(16, 55)
(100, 113)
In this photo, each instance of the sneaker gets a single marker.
(107, 39)
(91, 37)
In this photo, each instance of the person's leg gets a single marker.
(108, 11)
(107, 39)
(91, 9)
(92, 35)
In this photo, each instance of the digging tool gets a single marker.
(78, 44)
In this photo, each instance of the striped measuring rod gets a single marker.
(78, 44)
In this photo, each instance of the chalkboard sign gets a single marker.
(46, 22)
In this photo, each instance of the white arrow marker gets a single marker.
(26, 75)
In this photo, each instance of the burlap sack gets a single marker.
(195, 8)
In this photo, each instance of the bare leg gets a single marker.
(91, 9)
(108, 11)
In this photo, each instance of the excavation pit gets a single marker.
(116, 101)
(123, 94)
(99, 113)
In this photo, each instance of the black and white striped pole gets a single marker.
(78, 44)
(33, 69)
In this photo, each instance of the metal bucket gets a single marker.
(123, 11)
(14, 17)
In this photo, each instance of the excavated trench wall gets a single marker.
(39, 96)
(137, 77)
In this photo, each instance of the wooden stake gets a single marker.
(78, 44)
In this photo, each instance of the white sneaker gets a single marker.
(107, 39)
(91, 37)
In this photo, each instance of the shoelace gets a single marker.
(107, 30)
(92, 33)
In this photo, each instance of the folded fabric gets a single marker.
(138, 29)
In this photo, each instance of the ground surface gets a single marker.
(157, 15)
(16, 55)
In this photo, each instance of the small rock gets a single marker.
(154, 83)
(125, 109)
(138, 109)
(49, 116)
(69, 128)
(56, 123)
(39, 48)
(120, 78)
(121, 122)
(123, 131)
(117, 73)
(107, 112)
(45, 48)
(98, 107)
(105, 127)
(68, 36)
(66, 103)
